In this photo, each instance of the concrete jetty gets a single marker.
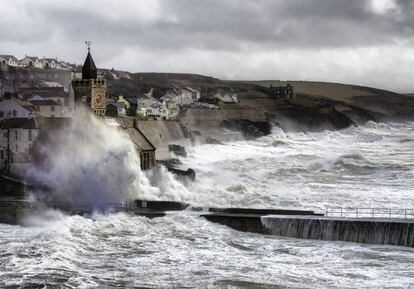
(385, 231)
(290, 223)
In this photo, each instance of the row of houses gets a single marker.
(7, 61)
(168, 106)
(13, 107)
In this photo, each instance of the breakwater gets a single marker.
(398, 232)
(290, 223)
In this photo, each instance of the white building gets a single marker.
(227, 97)
(48, 108)
(17, 136)
(191, 92)
(50, 63)
(151, 108)
(179, 96)
(8, 60)
(31, 61)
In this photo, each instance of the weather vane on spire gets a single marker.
(88, 43)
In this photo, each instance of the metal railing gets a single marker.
(387, 213)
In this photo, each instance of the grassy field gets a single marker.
(373, 99)
(335, 91)
(368, 98)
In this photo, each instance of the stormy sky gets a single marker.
(368, 42)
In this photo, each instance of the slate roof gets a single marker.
(6, 56)
(50, 93)
(52, 84)
(135, 134)
(29, 108)
(50, 59)
(117, 104)
(139, 139)
(44, 102)
(32, 57)
(132, 100)
(25, 123)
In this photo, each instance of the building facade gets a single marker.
(31, 61)
(282, 92)
(48, 108)
(17, 136)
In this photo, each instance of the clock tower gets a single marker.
(90, 90)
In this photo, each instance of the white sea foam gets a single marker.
(89, 163)
(358, 166)
(361, 166)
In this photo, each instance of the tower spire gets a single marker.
(89, 70)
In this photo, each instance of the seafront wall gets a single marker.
(398, 232)
(197, 125)
(196, 118)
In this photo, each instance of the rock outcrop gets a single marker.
(249, 129)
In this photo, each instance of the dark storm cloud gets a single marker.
(294, 23)
(361, 41)
(226, 25)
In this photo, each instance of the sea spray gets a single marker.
(87, 162)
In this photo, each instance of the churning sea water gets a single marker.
(366, 166)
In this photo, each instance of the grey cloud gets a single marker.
(232, 24)
(180, 32)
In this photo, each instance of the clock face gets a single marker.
(98, 99)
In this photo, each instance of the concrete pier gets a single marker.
(290, 223)
(398, 232)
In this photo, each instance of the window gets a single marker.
(30, 135)
(14, 112)
(16, 136)
(52, 108)
(2, 154)
(1, 113)
(17, 148)
(145, 158)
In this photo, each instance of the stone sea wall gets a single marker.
(371, 231)
(398, 232)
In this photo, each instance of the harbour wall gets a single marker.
(196, 118)
(197, 125)
(398, 232)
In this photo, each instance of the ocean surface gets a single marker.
(366, 166)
